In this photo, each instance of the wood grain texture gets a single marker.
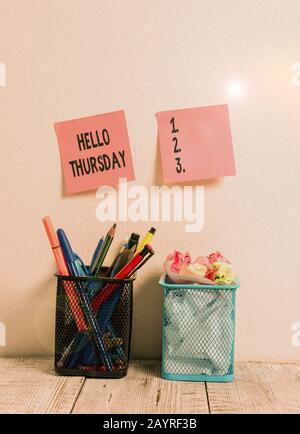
(284, 380)
(31, 386)
(142, 391)
(258, 388)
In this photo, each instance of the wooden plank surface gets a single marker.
(31, 386)
(258, 388)
(141, 391)
(284, 381)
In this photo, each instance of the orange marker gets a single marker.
(63, 270)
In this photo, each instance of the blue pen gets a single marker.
(92, 286)
(84, 351)
(76, 270)
(67, 251)
(79, 261)
(96, 252)
(104, 316)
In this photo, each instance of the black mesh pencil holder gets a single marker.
(93, 326)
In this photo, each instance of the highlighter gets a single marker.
(63, 270)
(146, 240)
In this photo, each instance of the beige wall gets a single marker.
(71, 58)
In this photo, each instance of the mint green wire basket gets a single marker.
(198, 332)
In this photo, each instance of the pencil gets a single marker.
(97, 250)
(103, 251)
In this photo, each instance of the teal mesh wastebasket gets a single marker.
(198, 332)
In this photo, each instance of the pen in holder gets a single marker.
(102, 350)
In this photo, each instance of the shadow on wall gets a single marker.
(29, 325)
(147, 319)
(157, 177)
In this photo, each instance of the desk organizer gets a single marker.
(101, 347)
(198, 332)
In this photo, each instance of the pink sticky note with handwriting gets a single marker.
(195, 143)
(94, 151)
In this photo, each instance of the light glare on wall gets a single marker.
(2, 335)
(2, 75)
(235, 89)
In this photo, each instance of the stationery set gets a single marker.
(94, 304)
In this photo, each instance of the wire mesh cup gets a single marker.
(198, 332)
(93, 340)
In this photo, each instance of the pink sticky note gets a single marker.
(195, 143)
(94, 151)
